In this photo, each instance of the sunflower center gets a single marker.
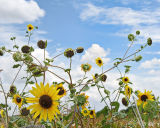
(125, 79)
(144, 97)
(45, 101)
(85, 111)
(91, 112)
(29, 28)
(99, 61)
(61, 91)
(18, 99)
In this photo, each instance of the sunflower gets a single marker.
(2, 113)
(62, 91)
(86, 67)
(95, 77)
(143, 97)
(17, 99)
(128, 91)
(45, 102)
(85, 112)
(30, 27)
(125, 80)
(92, 114)
(99, 61)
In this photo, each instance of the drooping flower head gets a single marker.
(30, 27)
(62, 91)
(125, 80)
(143, 97)
(45, 102)
(128, 91)
(99, 61)
(85, 112)
(86, 67)
(18, 100)
(92, 114)
(2, 113)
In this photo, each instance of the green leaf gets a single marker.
(16, 66)
(86, 88)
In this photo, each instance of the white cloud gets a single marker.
(118, 15)
(95, 51)
(154, 63)
(19, 11)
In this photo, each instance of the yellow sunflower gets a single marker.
(2, 113)
(92, 114)
(45, 102)
(86, 67)
(30, 27)
(128, 91)
(17, 99)
(143, 97)
(95, 77)
(85, 112)
(99, 61)
(62, 91)
(125, 80)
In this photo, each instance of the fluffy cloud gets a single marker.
(95, 51)
(119, 15)
(154, 63)
(19, 11)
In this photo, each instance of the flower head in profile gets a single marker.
(45, 102)
(86, 67)
(18, 100)
(99, 61)
(143, 97)
(125, 80)
(60, 88)
(30, 27)
(128, 91)
(92, 114)
(85, 112)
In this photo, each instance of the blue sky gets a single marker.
(100, 26)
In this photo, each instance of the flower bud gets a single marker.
(13, 90)
(103, 77)
(1, 53)
(25, 49)
(25, 112)
(137, 32)
(131, 37)
(125, 101)
(17, 56)
(41, 44)
(79, 49)
(69, 52)
(138, 58)
(149, 41)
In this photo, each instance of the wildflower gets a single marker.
(2, 113)
(99, 61)
(79, 50)
(85, 112)
(69, 52)
(30, 27)
(62, 91)
(92, 114)
(86, 67)
(17, 56)
(24, 111)
(17, 99)
(45, 102)
(25, 49)
(143, 97)
(125, 80)
(128, 91)
(95, 76)
(41, 44)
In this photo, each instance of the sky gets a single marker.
(100, 26)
